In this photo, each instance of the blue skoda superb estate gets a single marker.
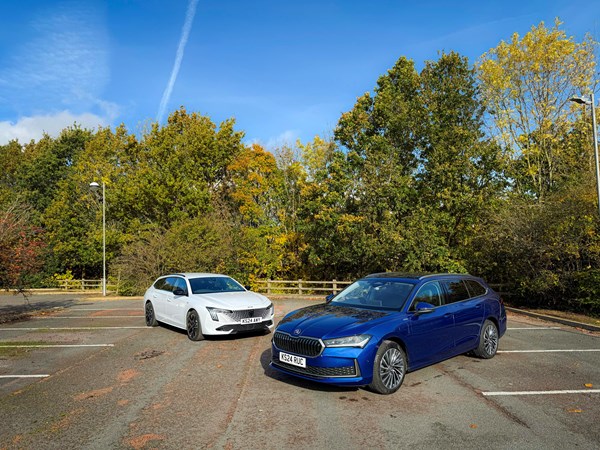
(387, 324)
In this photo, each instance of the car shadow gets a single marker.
(265, 360)
(224, 337)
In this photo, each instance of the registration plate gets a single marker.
(292, 359)
(248, 320)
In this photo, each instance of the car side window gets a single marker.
(475, 289)
(180, 284)
(160, 284)
(456, 291)
(170, 284)
(429, 293)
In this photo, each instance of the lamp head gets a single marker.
(581, 100)
(94, 186)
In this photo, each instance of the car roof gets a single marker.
(195, 275)
(415, 276)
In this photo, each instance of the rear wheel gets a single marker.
(488, 341)
(389, 368)
(193, 327)
(150, 316)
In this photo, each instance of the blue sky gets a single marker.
(285, 70)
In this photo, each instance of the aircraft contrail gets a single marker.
(185, 32)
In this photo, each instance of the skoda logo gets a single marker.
(297, 332)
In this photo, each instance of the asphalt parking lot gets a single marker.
(87, 373)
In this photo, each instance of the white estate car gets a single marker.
(206, 304)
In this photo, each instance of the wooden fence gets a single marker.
(87, 285)
(300, 287)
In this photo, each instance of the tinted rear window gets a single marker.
(456, 290)
(160, 284)
(475, 289)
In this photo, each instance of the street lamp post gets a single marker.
(94, 187)
(591, 101)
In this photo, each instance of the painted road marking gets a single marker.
(568, 391)
(73, 328)
(535, 328)
(54, 345)
(87, 317)
(551, 351)
(104, 309)
(24, 376)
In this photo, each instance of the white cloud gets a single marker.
(62, 61)
(287, 138)
(28, 128)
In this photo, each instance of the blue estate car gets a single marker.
(386, 324)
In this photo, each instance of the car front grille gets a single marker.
(236, 316)
(236, 328)
(304, 346)
(323, 372)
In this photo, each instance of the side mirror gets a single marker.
(424, 308)
(179, 292)
(247, 288)
(329, 298)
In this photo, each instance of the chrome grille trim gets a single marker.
(236, 316)
(301, 345)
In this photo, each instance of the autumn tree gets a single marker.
(526, 84)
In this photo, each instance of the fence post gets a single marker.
(334, 286)
(300, 287)
(82, 285)
(269, 286)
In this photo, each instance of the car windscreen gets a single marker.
(210, 285)
(375, 294)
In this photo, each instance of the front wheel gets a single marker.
(193, 327)
(389, 368)
(488, 341)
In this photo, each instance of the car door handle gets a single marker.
(447, 315)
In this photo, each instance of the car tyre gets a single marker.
(193, 326)
(488, 341)
(389, 368)
(150, 316)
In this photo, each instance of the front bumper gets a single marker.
(211, 327)
(342, 366)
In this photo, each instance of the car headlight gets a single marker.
(359, 340)
(270, 310)
(214, 311)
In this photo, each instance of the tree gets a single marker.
(526, 84)
(21, 246)
(460, 171)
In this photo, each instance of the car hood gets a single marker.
(232, 300)
(327, 320)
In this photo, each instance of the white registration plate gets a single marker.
(248, 320)
(292, 359)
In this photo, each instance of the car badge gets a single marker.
(297, 332)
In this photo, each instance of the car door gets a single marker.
(431, 335)
(178, 303)
(157, 297)
(468, 314)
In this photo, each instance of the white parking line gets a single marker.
(551, 351)
(73, 328)
(87, 317)
(568, 391)
(55, 345)
(24, 376)
(105, 309)
(535, 328)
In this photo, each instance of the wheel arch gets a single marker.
(402, 345)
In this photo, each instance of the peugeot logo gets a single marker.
(297, 332)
